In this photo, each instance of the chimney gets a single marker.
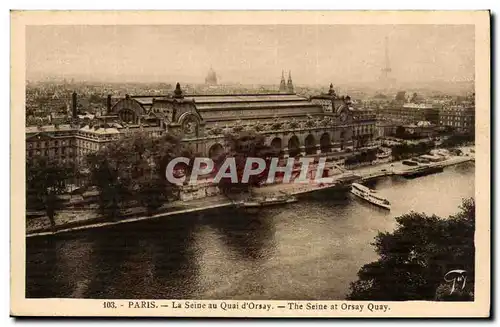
(108, 105)
(73, 105)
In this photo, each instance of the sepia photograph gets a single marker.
(256, 163)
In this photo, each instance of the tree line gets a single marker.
(415, 258)
(457, 140)
(241, 146)
(408, 150)
(127, 173)
(130, 173)
(45, 182)
(367, 156)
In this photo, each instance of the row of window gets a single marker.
(43, 144)
(363, 129)
(83, 152)
(88, 145)
(84, 147)
(47, 153)
(456, 124)
(456, 118)
(96, 137)
(364, 117)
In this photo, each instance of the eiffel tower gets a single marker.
(385, 78)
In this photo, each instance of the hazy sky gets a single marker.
(251, 54)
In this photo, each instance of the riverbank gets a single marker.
(94, 220)
(67, 221)
(228, 253)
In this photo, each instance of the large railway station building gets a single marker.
(297, 126)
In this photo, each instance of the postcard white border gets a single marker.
(76, 307)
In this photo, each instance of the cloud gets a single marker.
(252, 54)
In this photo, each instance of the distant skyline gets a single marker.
(315, 54)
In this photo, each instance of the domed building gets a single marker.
(211, 78)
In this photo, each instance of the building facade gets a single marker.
(211, 78)
(71, 143)
(361, 129)
(53, 141)
(294, 125)
(410, 113)
(385, 128)
(459, 117)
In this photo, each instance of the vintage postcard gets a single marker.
(250, 163)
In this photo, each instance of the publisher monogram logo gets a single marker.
(458, 278)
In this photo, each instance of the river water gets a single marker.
(310, 250)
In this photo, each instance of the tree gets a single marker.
(404, 150)
(152, 194)
(241, 146)
(400, 151)
(131, 171)
(457, 139)
(371, 155)
(106, 173)
(45, 181)
(400, 132)
(416, 256)
(153, 187)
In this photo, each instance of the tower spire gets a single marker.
(178, 92)
(386, 70)
(290, 83)
(283, 83)
(387, 64)
(331, 91)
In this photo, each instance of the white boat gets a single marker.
(364, 188)
(366, 194)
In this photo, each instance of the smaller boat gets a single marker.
(423, 171)
(410, 163)
(268, 201)
(366, 194)
(383, 155)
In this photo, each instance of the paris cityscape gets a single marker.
(393, 131)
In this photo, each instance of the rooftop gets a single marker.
(418, 105)
(224, 98)
(49, 128)
(253, 105)
(99, 130)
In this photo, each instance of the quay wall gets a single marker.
(362, 176)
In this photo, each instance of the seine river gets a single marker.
(308, 250)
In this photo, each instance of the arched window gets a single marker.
(310, 144)
(293, 146)
(128, 116)
(276, 145)
(215, 151)
(325, 143)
